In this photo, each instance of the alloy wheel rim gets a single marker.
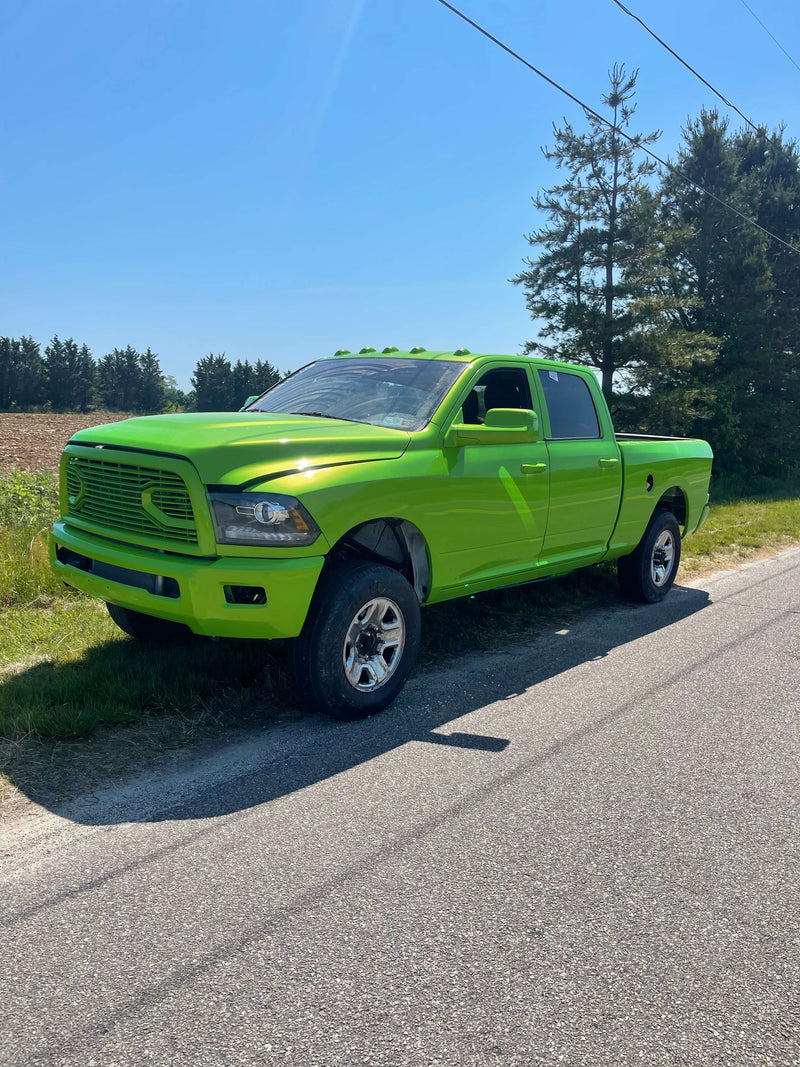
(663, 558)
(373, 645)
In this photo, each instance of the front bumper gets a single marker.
(187, 589)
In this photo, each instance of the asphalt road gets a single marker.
(583, 850)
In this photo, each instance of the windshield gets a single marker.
(402, 393)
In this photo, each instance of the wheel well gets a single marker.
(675, 501)
(396, 543)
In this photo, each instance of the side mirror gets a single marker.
(249, 401)
(502, 426)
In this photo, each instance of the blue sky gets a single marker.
(281, 179)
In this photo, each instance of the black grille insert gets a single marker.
(157, 584)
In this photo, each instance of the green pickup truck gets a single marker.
(359, 488)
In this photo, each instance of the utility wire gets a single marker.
(606, 122)
(772, 35)
(759, 129)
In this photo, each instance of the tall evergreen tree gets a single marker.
(118, 379)
(151, 384)
(213, 384)
(771, 167)
(220, 386)
(130, 381)
(85, 376)
(586, 276)
(737, 297)
(70, 373)
(666, 388)
(265, 376)
(22, 373)
(242, 383)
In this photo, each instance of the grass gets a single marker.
(65, 669)
(27, 501)
(741, 530)
(25, 575)
(28, 505)
(84, 671)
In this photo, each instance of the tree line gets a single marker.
(689, 313)
(66, 377)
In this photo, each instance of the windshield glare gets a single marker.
(401, 393)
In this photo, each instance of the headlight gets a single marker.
(261, 519)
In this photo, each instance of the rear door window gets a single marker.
(569, 405)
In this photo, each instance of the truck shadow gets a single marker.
(310, 748)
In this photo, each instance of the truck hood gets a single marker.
(247, 447)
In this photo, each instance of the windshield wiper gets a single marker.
(321, 415)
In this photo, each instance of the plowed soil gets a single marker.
(35, 442)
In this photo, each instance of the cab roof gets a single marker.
(459, 355)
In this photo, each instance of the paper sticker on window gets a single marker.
(554, 375)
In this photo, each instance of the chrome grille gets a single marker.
(131, 498)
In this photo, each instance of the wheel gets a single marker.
(359, 642)
(648, 572)
(148, 627)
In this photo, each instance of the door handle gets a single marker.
(533, 468)
(607, 462)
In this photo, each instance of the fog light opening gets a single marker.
(245, 594)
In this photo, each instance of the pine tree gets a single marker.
(583, 281)
(734, 290)
(84, 379)
(120, 378)
(242, 383)
(22, 374)
(771, 166)
(70, 373)
(151, 384)
(213, 385)
(667, 387)
(265, 376)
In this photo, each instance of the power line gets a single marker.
(759, 130)
(631, 140)
(772, 35)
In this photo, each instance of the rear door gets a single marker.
(585, 470)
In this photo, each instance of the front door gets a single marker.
(493, 496)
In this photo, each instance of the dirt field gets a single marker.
(35, 442)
